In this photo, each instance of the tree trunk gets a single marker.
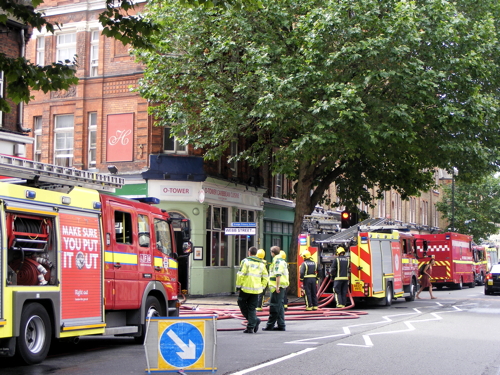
(302, 207)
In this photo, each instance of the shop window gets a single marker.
(277, 227)
(216, 240)
(243, 243)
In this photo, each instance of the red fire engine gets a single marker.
(77, 261)
(383, 260)
(454, 265)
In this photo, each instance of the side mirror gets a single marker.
(187, 248)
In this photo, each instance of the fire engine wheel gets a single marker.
(388, 295)
(480, 279)
(413, 291)
(153, 308)
(459, 285)
(35, 336)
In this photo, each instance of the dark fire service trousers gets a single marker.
(276, 309)
(311, 291)
(248, 303)
(340, 287)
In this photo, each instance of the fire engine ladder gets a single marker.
(47, 175)
(346, 235)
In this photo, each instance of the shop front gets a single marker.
(278, 224)
(212, 206)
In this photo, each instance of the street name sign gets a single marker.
(239, 231)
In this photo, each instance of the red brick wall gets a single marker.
(108, 93)
(11, 45)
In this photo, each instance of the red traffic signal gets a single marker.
(345, 219)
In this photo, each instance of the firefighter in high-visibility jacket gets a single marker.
(340, 275)
(278, 281)
(251, 280)
(308, 279)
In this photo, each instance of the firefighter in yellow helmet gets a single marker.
(340, 275)
(308, 277)
(285, 298)
(261, 254)
(278, 280)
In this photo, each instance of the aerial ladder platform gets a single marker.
(347, 235)
(48, 176)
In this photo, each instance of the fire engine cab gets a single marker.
(383, 259)
(76, 261)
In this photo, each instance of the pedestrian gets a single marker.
(308, 279)
(285, 293)
(261, 254)
(340, 275)
(278, 281)
(425, 279)
(251, 280)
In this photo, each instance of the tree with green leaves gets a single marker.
(22, 76)
(472, 207)
(360, 93)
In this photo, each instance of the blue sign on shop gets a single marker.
(243, 224)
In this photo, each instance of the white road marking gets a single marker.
(411, 327)
(347, 331)
(277, 360)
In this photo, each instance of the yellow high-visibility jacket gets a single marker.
(278, 268)
(252, 276)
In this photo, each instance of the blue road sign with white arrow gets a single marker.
(181, 344)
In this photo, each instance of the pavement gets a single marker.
(225, 302)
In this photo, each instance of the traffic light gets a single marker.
(348, 219)
(345, 219)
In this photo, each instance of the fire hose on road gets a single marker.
(296, 310)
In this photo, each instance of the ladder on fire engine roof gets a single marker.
(348, 234)
(47, 176)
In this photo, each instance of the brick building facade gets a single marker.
(14, 137)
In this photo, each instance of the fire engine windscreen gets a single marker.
(163, 240)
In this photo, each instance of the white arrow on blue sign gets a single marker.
(181, 345)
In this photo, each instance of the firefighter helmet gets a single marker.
(340, 250)
(261, 253)
(283, 254)
(305, 254)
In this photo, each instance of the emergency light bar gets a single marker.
(148, 200)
